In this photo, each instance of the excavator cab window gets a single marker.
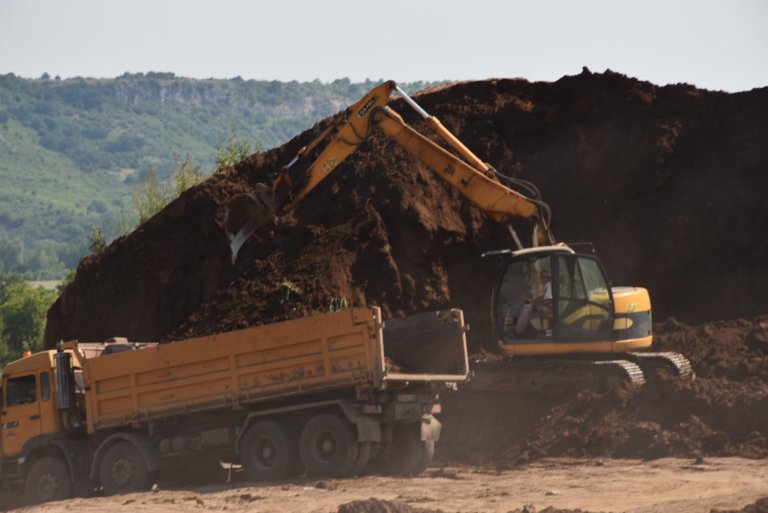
(552, 296)
(523, 299)
(584, 303)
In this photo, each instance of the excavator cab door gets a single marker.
(545, 297)
(584, 311)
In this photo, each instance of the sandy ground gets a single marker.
(664, 485)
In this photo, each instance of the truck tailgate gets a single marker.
(426, 347)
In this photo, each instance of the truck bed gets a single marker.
(346, 349)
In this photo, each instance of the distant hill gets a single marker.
(70, 150)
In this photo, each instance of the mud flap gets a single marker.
(368, 428)
(430, 428)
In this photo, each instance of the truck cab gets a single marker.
(38, 418)
(28, 408)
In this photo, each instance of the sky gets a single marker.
(716, 45)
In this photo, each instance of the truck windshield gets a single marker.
(21, 390)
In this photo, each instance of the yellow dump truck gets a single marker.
(328, 395)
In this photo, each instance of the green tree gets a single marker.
(153, 195)
(22, 318)
(235, 150)
(150, 197)
(96, 241)
(6, 282)
(185, 175)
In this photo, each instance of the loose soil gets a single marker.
(667, 182)
(552, 486)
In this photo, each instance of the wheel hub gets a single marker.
(123, 471)
(327, 447)
(265, 453)
(47, 485)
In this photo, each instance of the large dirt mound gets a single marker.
(668, 182)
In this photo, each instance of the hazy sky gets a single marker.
(721, 45)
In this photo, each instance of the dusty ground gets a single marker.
(665, 485)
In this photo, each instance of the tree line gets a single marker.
(23, 309)
(73, 151)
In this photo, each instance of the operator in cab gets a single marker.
(538, 306)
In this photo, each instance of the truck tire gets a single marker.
(47, 480)
(363, 457)
(328, 446)
(268, 451)
(123, 470)
(408, 454)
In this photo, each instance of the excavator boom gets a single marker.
(479, 182)
(498, 201)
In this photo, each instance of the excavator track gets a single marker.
(554, 377)
(652, 363)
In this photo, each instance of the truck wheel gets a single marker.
(408, 455)
(123, 470)
(47, 480)
(268, 452)
(328, 446)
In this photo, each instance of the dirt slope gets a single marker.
(668, 182)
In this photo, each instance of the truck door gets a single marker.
(20, 414)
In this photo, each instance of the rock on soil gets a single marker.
(667, 182)
(759, 506)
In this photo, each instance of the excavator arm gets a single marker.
(479, 182)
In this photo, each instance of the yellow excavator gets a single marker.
(553, 309)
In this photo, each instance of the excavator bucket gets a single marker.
(247, 213)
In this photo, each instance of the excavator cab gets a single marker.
(551, 300)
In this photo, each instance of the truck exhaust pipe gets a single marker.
(65, 382)
(64, 397)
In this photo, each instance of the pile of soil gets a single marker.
(759, 506)
(374, 505)
(722, 412)
(667, 182)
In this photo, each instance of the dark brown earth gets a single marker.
(667, 182)
(723, 412)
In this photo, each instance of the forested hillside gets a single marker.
(70, 150)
